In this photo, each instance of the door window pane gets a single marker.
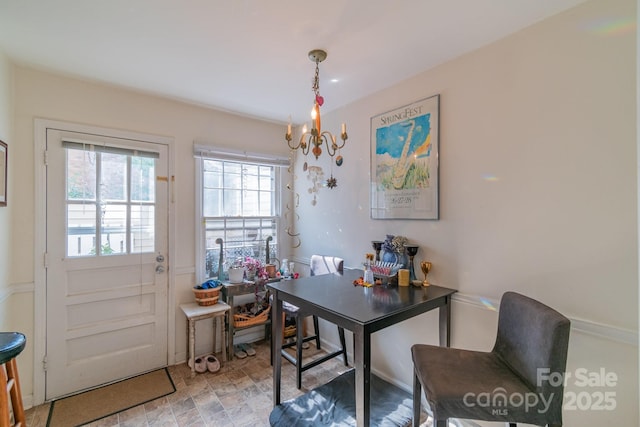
(142, 228)
(113, 178)
(81, 229)
(113, 229)
(110, 200)
(81, 175)
(143, 183)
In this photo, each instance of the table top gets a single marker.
(193, 309)
(336, 293)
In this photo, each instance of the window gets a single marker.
(239, 204)
(110, 199)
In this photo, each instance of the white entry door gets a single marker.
(106, 280)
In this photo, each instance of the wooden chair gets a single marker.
(520, 375)
(320, 264)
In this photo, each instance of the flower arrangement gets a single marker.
(254, 267)
(394, 244)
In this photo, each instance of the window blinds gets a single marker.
(211, 152)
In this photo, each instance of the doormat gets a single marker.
(101, 402)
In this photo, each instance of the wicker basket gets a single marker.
(207, 301)
(290, 331)
(207, 296)
(242, 320)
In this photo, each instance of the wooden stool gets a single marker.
(195, 312)
(11, 345)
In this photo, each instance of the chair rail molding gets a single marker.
(17, 288)
(600, 330)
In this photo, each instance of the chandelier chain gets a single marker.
(316, 80)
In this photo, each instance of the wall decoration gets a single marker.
(404, 162)
(315, 174)
(4, 159)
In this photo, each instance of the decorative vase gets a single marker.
(236, 274)
(394, 257)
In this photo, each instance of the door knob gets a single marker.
(159, 269)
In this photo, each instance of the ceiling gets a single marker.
(250, 56)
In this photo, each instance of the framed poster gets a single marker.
(404, 162)
(4, 158)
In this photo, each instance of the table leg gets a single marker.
(192, 346)
(276, 343)
(362, 361)
(230, 332)
(445, 323)
(216, 320)
(223, 335)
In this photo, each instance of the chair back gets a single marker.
(322, 264)
(533, 340)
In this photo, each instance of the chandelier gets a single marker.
(315, 138)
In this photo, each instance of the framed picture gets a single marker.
(4, 158)
(404, 161)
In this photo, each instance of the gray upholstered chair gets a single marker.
(518, 381)
(319, 265)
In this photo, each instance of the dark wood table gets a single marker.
(363, 311)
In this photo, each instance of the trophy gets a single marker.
(426, 268)
(412, 250)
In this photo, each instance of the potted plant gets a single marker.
(254, 269)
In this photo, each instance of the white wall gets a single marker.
(5, 217)
(43, 95)
(550, 114)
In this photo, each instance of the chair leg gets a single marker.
(299, 342)
(417, 394)
(5, 417)
(343, 344)
(316, 329)
(16, 394)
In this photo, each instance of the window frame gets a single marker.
(202, 153)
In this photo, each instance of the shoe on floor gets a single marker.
(201, 364)
(248, 348)
(213, 365)
(239, 353)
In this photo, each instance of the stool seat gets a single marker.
(11, 345)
